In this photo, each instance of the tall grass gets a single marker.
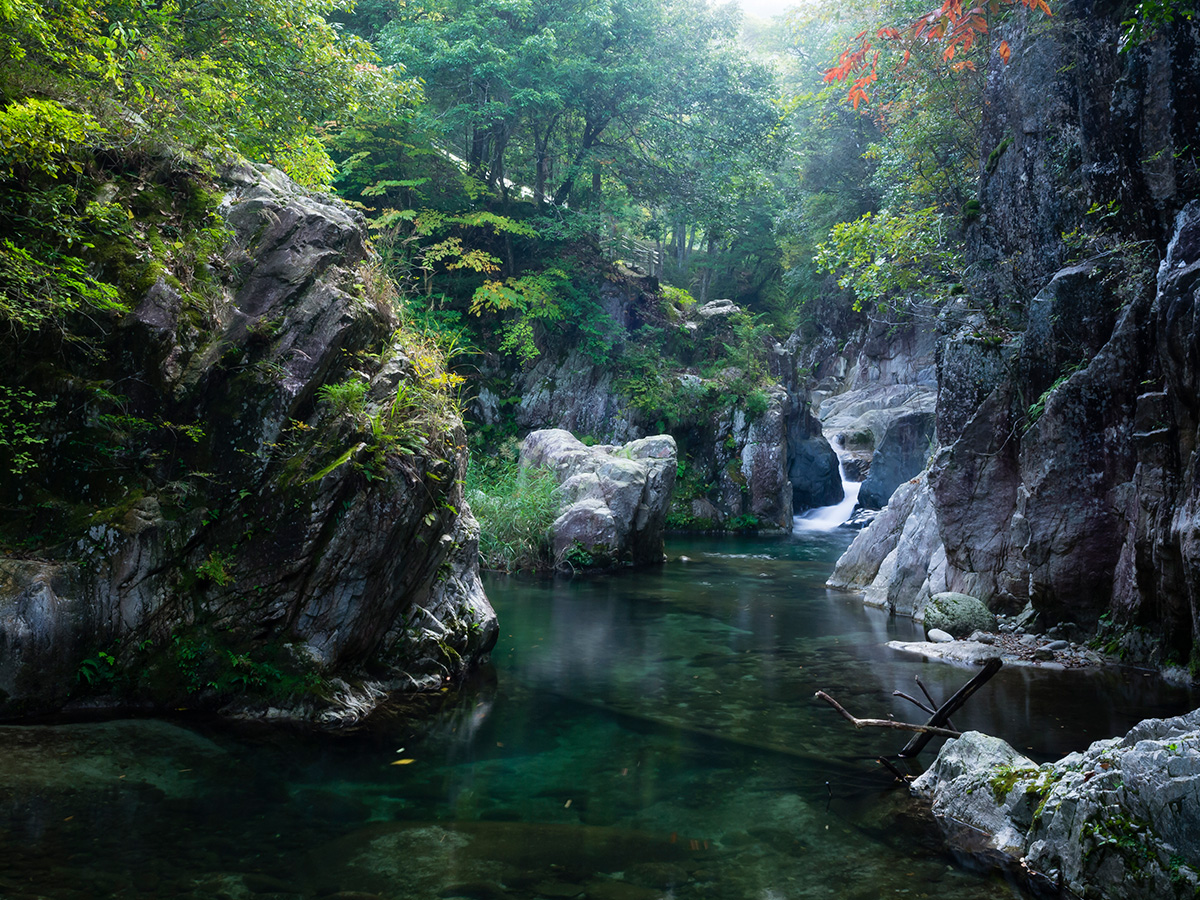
(515, 508)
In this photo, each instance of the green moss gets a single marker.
(1040, 782)
(993, 159)
(1131, 839)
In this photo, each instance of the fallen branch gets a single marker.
(915, 702)
(951, 706)
(929, 697)
(931, 730)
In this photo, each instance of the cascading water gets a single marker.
(827, 518)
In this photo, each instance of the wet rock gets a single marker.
(902, 453)
(615, 498)
(1119, 820)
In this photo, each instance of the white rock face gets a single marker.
(615, 498)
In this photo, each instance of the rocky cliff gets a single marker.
(249, 490)
(1066, 411)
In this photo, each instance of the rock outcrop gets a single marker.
(1119, 820)
(1066, 477)
(296, 531)
(615, 498)
(751, 450)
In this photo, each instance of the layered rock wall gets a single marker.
(290, 544)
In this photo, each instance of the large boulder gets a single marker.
(615, 498)
(812, 464)
(1119, 821)
(262, 537)
(958, 614)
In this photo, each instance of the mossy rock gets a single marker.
(958, 614)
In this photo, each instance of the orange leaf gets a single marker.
(1004, 51)
(949, 53)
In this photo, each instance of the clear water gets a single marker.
(642, 735)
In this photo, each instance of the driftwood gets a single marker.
(915, 702)
(929, 697)
(939, 718)
(933, 731)
(951, 706)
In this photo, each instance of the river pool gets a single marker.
(639, 735)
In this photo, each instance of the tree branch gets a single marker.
(885, 723)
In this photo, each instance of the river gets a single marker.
(638, 735)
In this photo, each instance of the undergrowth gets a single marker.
(515, 507)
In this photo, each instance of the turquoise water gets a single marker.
(640, 735)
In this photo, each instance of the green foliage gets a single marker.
(201, 73)
(97, 670)
(1039, 405)
(346, 397)
(515, 507)
(534, 298)
(19, 413)
(216, 569)
(578, 557)
(43, 136)
(204, 662)
(1151, 16)
(892, 259)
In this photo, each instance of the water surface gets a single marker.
(639, 735)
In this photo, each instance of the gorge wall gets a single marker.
(751, 452)
(1066, 411)
(250, 495)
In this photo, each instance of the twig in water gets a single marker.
(885, 723)
(929, 697)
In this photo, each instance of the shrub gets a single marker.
(515, 507)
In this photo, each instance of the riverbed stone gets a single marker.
(959, 614)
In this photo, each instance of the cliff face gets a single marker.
(1067, 411)
(281, 517)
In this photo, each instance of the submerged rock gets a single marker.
(615, 499)
(1120, 820)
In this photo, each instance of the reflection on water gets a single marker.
(639, 736)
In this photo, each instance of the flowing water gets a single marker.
(640, 735)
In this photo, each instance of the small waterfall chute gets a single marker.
(827, 518)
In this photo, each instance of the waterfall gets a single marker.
(827, 518)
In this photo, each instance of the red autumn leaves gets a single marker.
(955, 28)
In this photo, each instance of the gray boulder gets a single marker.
(1120, 820)
(812, 464)
(959, 614)
(615, 498)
